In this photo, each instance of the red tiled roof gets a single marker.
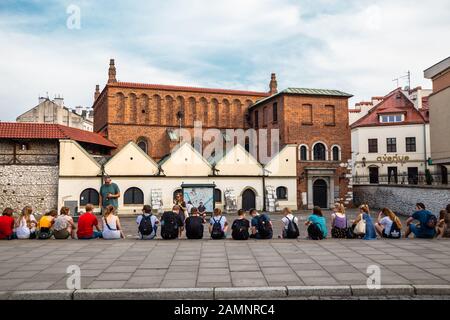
(354, 110)
(394, 102)
(183, 88)
(23, 130)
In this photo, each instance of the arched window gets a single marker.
(89, 196)
(319, 151)
(336, 152)
(133, 195)
(143, 144)
(217, 195)
(303, 153)
(282, 193)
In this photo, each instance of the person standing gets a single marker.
(109, 194)
(179, 201)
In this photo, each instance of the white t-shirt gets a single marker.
(386, 222)
(153, 220)
(222, 219)
(22, 231)
(286, 219)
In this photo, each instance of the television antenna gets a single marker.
(406, 76)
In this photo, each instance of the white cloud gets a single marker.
(356, 46)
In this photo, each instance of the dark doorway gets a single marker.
(320, 193)
(444, 175)
(413, 175)
(373, 175)
(392, 175)
(248, 199)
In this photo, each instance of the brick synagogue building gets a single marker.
(315, 120)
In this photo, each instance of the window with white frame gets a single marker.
(391, 118)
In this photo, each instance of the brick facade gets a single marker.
(305, 120)
(126, 112)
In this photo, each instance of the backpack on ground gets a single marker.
(240, 230)
(44, 234)
(292, 231)
(264, 227)
(169, 226)
(314, 232)
(395, 232)
(431, 221)
(145, 226)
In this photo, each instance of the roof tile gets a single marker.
(24, 130)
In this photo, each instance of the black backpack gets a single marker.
(292, 231)
(169, 227)
(145, 226)
(395, 232)
(240, 230)
(217, 232)
(264, 227)
(44, 234)
(194, 228)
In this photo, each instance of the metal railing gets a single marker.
(404, 179)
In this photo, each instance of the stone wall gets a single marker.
(32, 179)
(401, 199)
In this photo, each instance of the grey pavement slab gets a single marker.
(29, 265)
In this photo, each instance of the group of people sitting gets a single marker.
(422, 223)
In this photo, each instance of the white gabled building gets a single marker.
(139, 177)
(391, 141)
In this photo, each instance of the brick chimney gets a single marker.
(97, 92)
(273, 84)
(112, 72)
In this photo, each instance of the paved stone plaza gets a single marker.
(131, 263)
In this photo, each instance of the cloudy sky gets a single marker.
(358, 46)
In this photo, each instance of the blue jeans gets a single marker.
(418, 233)
(95, 235)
